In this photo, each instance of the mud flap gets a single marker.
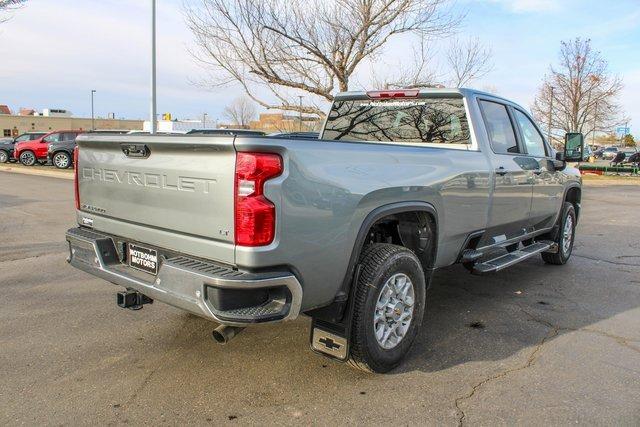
(330, 334)
(329, 340)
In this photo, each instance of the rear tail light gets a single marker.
(76, 185)
(255, 215)
(407, 93)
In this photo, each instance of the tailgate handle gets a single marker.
(135, 150)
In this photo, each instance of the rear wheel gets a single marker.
(4, 156)
(61, 160)
(564, 237)
(388, 307)
(27, 158)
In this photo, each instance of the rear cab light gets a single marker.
(387, 94)
(255, 215)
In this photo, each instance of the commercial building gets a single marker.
(14, 125)
(280, 122)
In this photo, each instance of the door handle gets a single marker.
(501, 171)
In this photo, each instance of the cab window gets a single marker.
(499, 128)
(533, 141)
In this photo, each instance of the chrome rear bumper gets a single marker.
(200, 287)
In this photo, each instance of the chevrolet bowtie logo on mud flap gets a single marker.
(329, 344)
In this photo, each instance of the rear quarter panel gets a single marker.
(329, 188)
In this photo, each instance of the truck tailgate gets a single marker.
(177, 185)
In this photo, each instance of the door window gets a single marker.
(499, 128)
(54, 137)
(532, 138)
(68, 136)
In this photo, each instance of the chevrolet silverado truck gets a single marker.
(346, 229)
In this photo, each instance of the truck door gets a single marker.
(548, 190)
(512, 185)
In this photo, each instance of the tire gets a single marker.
(28, 158)
(61, 160)
(4, 156)
(566, 230)
(383, 266)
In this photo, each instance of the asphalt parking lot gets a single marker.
(535, 344)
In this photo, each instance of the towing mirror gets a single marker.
(573, 147)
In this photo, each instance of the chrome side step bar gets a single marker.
(512, 258)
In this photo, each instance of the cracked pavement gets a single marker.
(534, 344)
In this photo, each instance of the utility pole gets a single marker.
(93, 120)
(550, 114)
(300, 115)
(152, 129)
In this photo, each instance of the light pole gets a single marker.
(152, 129)
(550, 114)
(93, 120)
(300, 113)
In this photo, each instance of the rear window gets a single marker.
(413, 121)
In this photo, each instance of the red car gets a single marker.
(30, 152)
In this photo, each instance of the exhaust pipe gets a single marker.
(223, 333)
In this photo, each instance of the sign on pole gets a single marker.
(622, 131)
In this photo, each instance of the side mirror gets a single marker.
(559, 163)
(573, 147)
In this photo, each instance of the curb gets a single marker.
(36, 171)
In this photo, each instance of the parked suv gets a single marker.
(60, 154)
(7, 146)
(30, 152)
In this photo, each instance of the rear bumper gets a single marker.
(214, 291)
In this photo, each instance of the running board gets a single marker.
(504, 261)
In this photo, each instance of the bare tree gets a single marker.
(465, 62)
(420, 71)
(278, 48)
(580, 95)
(7, 5)
(468, 61)
(240, 112)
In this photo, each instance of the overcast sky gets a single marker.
(54, 52)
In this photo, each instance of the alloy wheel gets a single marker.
(61, 160)
(394, 311)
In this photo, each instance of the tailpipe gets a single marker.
(223, 333)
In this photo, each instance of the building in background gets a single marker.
(281, 122)
(13, 125)
(56, 112)
(27, 112)
(4, 109)
(180, 126)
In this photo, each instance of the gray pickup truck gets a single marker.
(346, 229)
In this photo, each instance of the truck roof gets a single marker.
(437, 91)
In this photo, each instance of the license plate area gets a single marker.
(142, 258)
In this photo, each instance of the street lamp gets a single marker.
(93, 120)
(152, 129)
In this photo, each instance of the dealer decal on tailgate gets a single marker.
(143, 258)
